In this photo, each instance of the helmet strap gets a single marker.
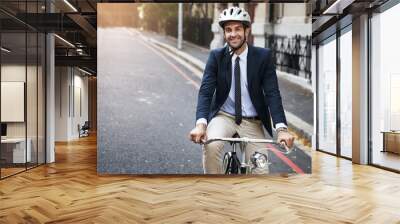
(234, 49)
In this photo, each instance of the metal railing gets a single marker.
(195, 30)
(291, 55)
(198, 31)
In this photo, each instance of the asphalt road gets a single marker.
(152, 100)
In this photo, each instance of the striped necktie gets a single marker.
(238, 95)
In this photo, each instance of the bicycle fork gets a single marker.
(244, 166)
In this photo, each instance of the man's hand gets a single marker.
(286, 137)
(198, 134)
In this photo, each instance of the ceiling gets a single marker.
(74, 22)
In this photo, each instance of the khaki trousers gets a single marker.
(223, 125)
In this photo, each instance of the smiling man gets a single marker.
(239, 93)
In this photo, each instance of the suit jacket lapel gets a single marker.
(228, 72)
(250, 65)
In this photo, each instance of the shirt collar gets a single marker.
(243, 55)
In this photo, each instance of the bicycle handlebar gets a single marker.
(238, 140)
(252, 140)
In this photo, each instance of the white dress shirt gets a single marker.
(248, 109)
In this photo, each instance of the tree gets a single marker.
(159, 17)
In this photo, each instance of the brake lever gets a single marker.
(203, 142)
(284, 146)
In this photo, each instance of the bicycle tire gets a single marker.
(234, 164)
(225, 162)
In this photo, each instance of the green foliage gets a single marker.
(163, 18)
(156, 16)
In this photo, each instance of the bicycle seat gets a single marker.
(236, 135)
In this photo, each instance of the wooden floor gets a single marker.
(386, 159)
(5, 172)
(70, 191)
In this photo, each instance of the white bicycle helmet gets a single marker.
(234, 14)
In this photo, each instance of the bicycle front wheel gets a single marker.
(226, 163)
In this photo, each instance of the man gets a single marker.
(239, 93)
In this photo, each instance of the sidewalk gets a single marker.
(297, 100)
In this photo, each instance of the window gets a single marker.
(23, 87)
(346, 93)
(385, 88)
(327, 96)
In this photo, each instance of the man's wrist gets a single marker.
(201, 121)
(281, 124)
(281, 129)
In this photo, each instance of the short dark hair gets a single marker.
(244, 24)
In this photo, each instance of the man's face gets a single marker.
(234, 33)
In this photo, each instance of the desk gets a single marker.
(391, 141)
(16, 147)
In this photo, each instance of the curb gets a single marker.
(302, 82)
(185, 56)
(189, 44)
(302, 128)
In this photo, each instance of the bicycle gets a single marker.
(233, 165)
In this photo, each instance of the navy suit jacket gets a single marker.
(262, 85)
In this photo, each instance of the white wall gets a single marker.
(259, 24)
(17, 73)
(79, 117)
(294, 21)
(33, 126)
(14, 73)
(12, 100)
(71, 87)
